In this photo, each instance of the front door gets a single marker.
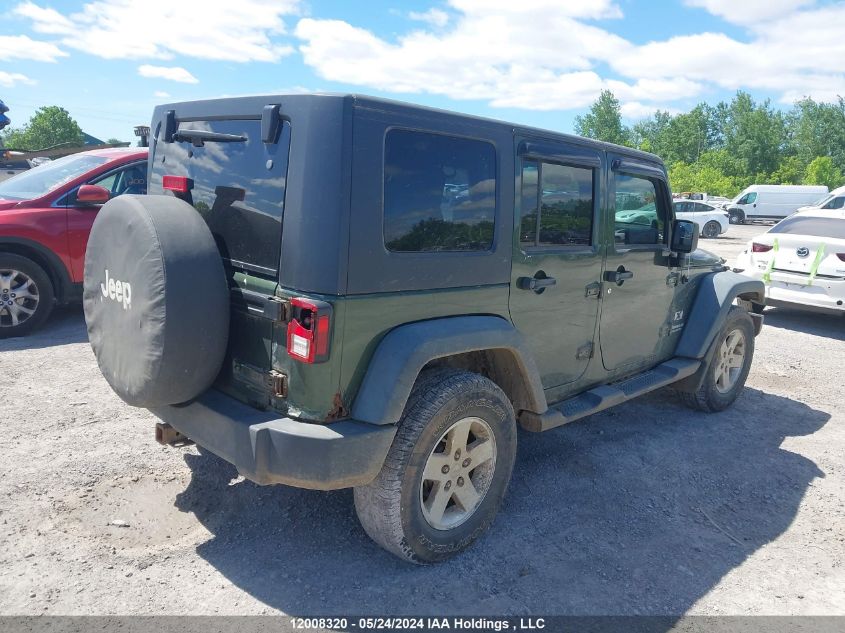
(557, 256)
(639, 325)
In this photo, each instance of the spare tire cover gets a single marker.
(156, 300)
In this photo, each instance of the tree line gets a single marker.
(724, 148)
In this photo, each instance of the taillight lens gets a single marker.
(177, 184)
(760, 248)
(309, 330)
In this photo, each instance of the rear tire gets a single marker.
(447, 471)
(725, 376)
(26, 295)
(735, 216)
(711, 229)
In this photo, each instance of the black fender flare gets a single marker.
(405, 350)
(716, 293)
(54, 266)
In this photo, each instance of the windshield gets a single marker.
(821, 201)
(40, 180)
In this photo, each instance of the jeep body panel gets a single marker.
(395, 312)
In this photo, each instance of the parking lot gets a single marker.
(645, 508)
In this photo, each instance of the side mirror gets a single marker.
(92, 194)
(684, 236)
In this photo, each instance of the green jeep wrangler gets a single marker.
(336, 291)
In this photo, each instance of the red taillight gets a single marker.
(841, 256)
(177, 184)
(760, 248)
(309, 330)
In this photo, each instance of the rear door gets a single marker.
(557, 255)
(638, 323)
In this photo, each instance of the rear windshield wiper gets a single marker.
(198, 137)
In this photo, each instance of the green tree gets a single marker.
(755, 134)
(113, 141)
(818, 129)
(822, 171)
(603, 121)
(790, 172)
(49, 126)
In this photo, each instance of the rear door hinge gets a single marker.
(261, 381)
(593, 290)
(672, 279)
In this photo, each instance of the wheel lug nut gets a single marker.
(457, 454)
(466, 462)
(460, 481)
(448, 485)
(444, 470)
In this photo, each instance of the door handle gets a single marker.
(535, 283)
(618, 276)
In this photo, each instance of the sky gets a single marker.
(533, 62)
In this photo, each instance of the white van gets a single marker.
(772, 202)
(834, 200)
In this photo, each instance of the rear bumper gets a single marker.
(785, 288)
(275, 450)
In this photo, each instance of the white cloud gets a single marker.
(545, 55)
(172, 73)
(161, 29)
(749, 12)
(45, 20)
(8, 80)
(435, 17)
(161, 94)
(24, 47)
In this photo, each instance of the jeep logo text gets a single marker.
(116, 290)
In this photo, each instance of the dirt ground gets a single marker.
(648, 508)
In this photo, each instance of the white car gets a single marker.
(712, 221)
(801, 260)
(834, 200)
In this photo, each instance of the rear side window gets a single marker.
(238, 187)
(439, 192)
(808, 225)
(557, 205)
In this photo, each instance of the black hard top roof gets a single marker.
(254, 103)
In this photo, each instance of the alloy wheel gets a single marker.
(730, 360)
(458, 473)
(19, 297)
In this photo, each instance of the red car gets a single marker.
(46, 215)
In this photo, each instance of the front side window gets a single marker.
(749, 198)
(439, 192)
(557, 205)
(131, 179)
(835, 203)
(639, 217)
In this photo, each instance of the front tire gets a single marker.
(735, 216)
(26, 295)
(728, 369)
(447, 471)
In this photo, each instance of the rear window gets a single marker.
(439, 192)
(238, 188)
(809, 225)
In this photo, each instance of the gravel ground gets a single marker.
(646, 508)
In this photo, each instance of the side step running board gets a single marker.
(606, 396)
